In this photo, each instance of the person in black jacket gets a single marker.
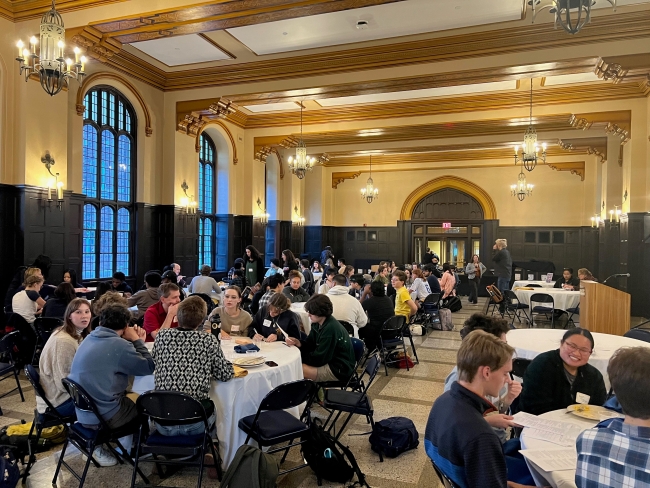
(294, 291)
(288, 263)
(276, 315)
(562, 377)
(568, 281)
(379, 309)
(56, 305)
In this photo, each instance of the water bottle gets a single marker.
(215, 326)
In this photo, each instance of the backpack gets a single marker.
(8, 467)
(393, 436)
(495, 293)
(17, 437)
(251, 468)
(327, 457)
(452, 303)
(445, 322)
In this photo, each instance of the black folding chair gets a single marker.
(391, 337)
(573, 311)
(51, 418)
(86, 439)
(348, 327)
(25, 341)
(44, 327)
(638, 334)
(514, 306)
(352, 402)
(180, 409)
(542, 309)
(8, 366)
(358, 348)
(444, 479)
(406, 333)
(207, 299)
(272, 424)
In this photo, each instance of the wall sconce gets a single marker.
(264, 216)
(299, 220)
(596, 221)
(187, 202)
(615, 215)
(53, 186)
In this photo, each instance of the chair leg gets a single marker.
(383, 354)
(201, 462)
(127, 458)
(286, 451)
(20, 390)
(417, 361)
(31, 456)
(217, 458)
(137, 457)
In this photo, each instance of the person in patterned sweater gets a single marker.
(187, 359)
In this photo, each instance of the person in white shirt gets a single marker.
(328, 283)
(346, 307)
(420, 288)
(28, 303)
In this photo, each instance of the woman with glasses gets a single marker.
(563, 377)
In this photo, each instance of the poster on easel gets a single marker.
(549, 277)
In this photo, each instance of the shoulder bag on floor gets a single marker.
(251, 468)
(393, 436)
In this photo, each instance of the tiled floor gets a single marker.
(402, 393)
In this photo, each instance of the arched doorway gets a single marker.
(447, 216)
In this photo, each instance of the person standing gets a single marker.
(475, 269)
(502, 267)
(289, 263)
(254, 266)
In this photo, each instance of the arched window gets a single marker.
(207, 171)
(108, 182)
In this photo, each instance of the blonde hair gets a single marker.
(32, 272)
(33, 280)
(501, 243)
(481, 349)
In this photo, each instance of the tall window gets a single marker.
(207, 171)
(108, 183)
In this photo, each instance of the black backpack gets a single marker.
(393, 436)
(327, 457)
(9, 470)
(452, 303)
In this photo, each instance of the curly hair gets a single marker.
(107, 299)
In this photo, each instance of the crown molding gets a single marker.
(596, 146)
(575, 167)
(612, 123)
(19, 10)
(634, 68)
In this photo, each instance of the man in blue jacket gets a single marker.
(102, 365)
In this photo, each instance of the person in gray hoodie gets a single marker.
(144, 299)
(102, 366)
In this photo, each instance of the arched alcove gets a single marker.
(224, 155)
(448, 203)
(272, 184)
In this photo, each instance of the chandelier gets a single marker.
(53, 69)
(572, 15)
(530, 149)
(370, 193)
(522, 189)
(301, 163)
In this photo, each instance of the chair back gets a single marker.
(638, 334)
(541, 298)
(206, 298)
(347, 326)
(289, 395)
(510, 296)
(371, 369)
(432, 299)
(35, 380)
(519, 366)
(8, 344)
(45, 326)
(533, 285)
(358, 346)
(446, 482)
(82, 400)
(171, 406)
(393, 327)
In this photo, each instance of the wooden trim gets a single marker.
(617, 123)
(197, 144)
(88, 84)
(34, 9)
(449, 181)
(575, 167)
(340, 176)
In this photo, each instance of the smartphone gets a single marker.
(272, 364)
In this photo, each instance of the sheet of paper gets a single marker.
(552, 459)
(561, 433)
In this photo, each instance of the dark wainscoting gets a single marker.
(11, 230)
(318, 236)
(242, 236)
(259, 236)
(364, 246)
(634, 234)
(154, 227)
(186, 242)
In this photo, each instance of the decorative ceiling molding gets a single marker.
(613, 123)
(576, 168)
(17, 11)
(95, 46)
(191, 125)
(633, 68)
(264, 152)
(340, 177)
(606, 28)
(197, 143)
(95, 78)
(596, 146)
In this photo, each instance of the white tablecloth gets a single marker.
(543, 284)
(557, 479)
(299, 309)
(529, 343)
(563, 299)
(240, 397)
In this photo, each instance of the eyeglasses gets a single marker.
(573, 347)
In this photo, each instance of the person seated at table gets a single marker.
(498, 419)
(187, 360)
(448, 281)
(308, 276)
(231, 313)
(348, 272)
(105, 300)
(419, 289)
(275, 285)
(162, 314)
(316, 267)
(382, 274)
(404, 305)
(70, 276)
(56, 305)
(432, 280)
(276, 315)
(457, 438)
(568, 281)
(143, 299)
(346, 308)
(170, 277)
(102, 366)
(585, 274)
(204, 283)
(57, 355)
(238, 279)
(328, 281)
(28, 302)
(294, 291)
(102, 287)
(274, 268)
(617, 451)
(563, 377)
(359, 289)
(327, 353)
(119, 284)
(257, 295)
(379, 309)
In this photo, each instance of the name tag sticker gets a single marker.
(250, 270)
(266, 323)
(582, 398)
(234, 328)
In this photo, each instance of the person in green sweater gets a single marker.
(327, 353)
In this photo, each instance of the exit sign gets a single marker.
(446, 225)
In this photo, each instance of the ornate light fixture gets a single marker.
(53, 69)
(522, 189)
(302, 163)
(299, 220)
(370, 193)
(187, 202)
(530, 149)
(572, 15)
(54, 185)
(264, 216)
(595, 221)
(615, 215)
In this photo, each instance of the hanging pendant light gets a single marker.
(370, 193)
(53, 69)
(521, 189)
(301, 163)
(572, 15)
(530, 148)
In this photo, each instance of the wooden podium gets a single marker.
(604, 309)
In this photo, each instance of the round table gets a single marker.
(529, 343)
(563, 299)
(240, 397)
(557, 479)
(543, 284)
